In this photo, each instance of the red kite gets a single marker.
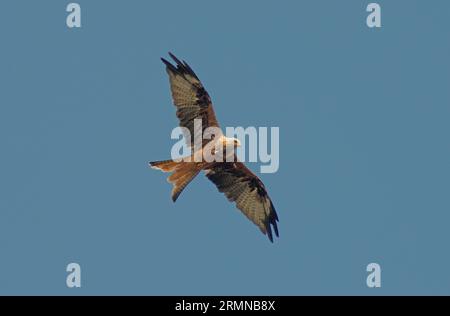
(233, 178)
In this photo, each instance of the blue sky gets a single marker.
(363, 117)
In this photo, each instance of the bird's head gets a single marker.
(232, 142)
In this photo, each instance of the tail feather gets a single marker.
(182, 174)
(181, 182)
(164, 165)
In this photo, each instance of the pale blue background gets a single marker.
(365, 157)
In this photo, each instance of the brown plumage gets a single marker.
(182, 174)
(189, 96)
(233, 179)
(240, 185)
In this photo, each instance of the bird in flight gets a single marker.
(232, 178)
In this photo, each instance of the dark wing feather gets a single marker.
(189, 96)
(240, 185)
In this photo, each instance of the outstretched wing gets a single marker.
(190, 97)
(240, 185)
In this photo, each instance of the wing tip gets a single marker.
(169, 66)
(175, 59)
(269, 234)
(272, 223)
(181, 67)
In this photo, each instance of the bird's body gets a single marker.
(220, 147)
(230, 176)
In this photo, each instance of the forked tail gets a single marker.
(182, 173)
